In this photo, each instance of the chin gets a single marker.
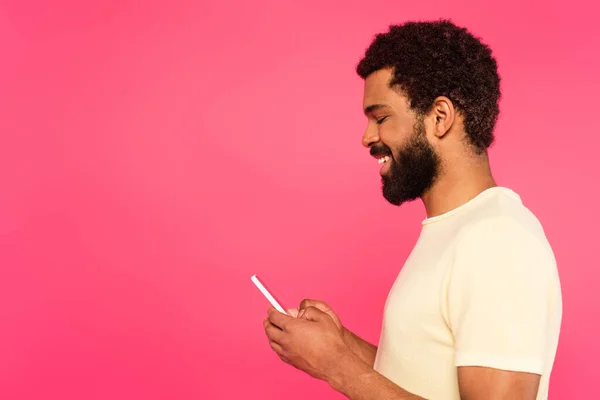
(397, 196)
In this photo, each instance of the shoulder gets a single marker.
(504, 239)
(503, 225)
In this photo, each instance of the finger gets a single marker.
(277, 348)
(301, 313)
(266, 323)
(293, 312)
(308, 302)
(273, 332)
(279, 319)
(284, 359)
(314, 314)
(304, 304)
(280, 352)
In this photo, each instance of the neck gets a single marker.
(456, 186)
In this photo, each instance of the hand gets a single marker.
(313, 343)
(321, 306)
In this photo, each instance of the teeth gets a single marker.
(383, 159)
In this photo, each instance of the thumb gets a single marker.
(314, 303)
(314, 314)
(293, 312)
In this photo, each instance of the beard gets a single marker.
(415, 170)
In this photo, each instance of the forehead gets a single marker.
(377, 90)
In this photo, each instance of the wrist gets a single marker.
(348, 368)
(348, 337)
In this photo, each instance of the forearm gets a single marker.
(364, 350)
(358, 381)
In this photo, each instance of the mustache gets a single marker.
(380, 151)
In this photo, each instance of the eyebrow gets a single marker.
(374, 107)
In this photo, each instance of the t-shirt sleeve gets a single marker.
(501, 297)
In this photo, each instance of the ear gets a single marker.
(443, 115)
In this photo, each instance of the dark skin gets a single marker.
(313, 338)
(390, 122)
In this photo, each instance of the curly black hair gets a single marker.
(438, 58)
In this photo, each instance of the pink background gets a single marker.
(155, 155)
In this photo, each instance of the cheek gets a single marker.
(394, 136)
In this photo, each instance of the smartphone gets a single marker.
(267, 294)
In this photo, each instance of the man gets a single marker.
(475, 312)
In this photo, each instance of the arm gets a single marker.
(315, 344)
(313, 341)
(504, 309)
(364, 350)
(357, 381)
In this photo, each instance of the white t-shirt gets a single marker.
(480, 288)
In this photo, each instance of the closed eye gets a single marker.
(380, 120)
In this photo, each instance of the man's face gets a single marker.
(397, 138)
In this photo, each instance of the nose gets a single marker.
(371, 136)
